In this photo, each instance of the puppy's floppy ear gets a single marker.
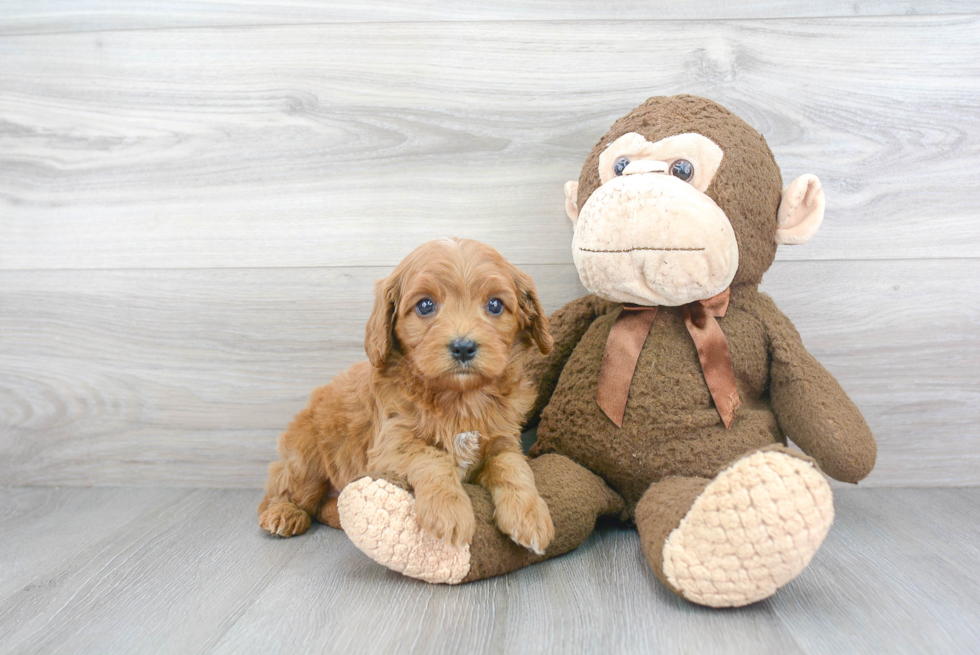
(530, 313)
(379, 335)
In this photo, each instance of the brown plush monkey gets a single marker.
(671, 391)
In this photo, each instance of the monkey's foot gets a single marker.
(379, 518)
(754, 528)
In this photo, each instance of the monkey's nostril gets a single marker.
(462, 350)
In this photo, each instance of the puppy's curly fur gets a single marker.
(418, 412)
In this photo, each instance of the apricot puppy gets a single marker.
(441, 402)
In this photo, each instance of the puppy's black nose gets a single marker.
(462, 350)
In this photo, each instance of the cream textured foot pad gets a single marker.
(752, 530)
(379, 517)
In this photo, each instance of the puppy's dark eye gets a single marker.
(682, 170)
(425, 307)
(495, 307)
(620, 164)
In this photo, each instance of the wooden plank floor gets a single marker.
(185, 571)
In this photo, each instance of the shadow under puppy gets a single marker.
(441, 402)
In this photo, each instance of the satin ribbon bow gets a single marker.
(626, 339)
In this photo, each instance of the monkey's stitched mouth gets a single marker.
(657, 249)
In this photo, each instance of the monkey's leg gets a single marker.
(378, 516)
(736, 539)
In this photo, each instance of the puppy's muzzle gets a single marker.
(462, 350)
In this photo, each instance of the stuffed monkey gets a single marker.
(671, 391)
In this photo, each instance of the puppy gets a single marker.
(441, 402)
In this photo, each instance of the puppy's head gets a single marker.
(458, 312)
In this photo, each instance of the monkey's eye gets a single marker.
(425, 307)
(495, 307)
(620, 164)
(682, 170)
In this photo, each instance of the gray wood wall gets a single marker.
(196, 197)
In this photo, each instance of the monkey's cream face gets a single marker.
(649, 234)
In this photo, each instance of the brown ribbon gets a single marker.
(625, 342)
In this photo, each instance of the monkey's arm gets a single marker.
(567, 326)
(812, 408)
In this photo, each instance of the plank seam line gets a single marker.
(232, 26)
(393, 264)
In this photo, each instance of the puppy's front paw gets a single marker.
(284, 520)
(525, 517)
(446, 515)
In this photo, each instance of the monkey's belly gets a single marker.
(671, 425)
(631, 458)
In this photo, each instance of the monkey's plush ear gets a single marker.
(379, 337)
(571, 201)
(530, 313)
(800, 211)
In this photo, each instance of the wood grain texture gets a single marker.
(337, 145)
(191, 217)
(46, 16)
(179, 576)
(40, 528)
(119, 377)
(602, 598)
(187, 376)
(911, 557)
(898, 573)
